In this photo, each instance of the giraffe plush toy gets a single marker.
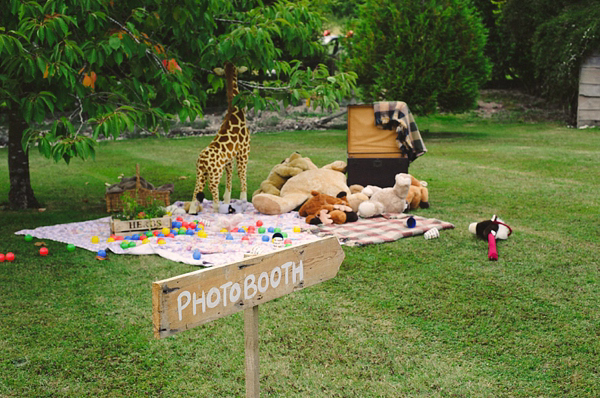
(231, 142)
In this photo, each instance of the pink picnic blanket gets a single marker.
(386, 228)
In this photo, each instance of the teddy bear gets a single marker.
(329, 180)
(280, 173)
(326, 209)
(386, 200)
(418, 194)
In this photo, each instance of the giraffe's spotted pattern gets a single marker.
(231, 142)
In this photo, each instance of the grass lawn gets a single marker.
(409, 318)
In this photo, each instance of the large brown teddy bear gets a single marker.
(329, 180)
(280, 173)
(321, 208)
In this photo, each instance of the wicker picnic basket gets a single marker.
(142, 195)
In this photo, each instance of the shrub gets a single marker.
(429, 54)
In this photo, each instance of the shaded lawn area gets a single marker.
(408, 318)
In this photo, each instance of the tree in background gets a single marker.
(429, 54)
(549, 41)
(68, 67)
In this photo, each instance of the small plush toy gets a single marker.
(418, 194)
(385, 200)
(491, 230)
(327, 209)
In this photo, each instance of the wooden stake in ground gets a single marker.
(192, 299)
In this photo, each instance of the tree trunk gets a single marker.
(20, 195)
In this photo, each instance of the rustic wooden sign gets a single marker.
(192, 299)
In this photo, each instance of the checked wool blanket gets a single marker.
(386, 228)
(396, 115)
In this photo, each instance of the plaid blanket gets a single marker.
(396, 115)
(386, 228)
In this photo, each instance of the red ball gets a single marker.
(259, 223)
(10, 256)
(43, 251)
(1, 258)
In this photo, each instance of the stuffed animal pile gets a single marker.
(329, 180)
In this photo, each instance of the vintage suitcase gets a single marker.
(373, 154)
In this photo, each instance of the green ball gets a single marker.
(277, 230)
(132, 244)
(124, 245)
(28, 238)
(261, 230)
(71, 247)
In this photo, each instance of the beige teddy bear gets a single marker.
(280, 173)
(386, 200)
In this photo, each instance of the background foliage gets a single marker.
(429, 54)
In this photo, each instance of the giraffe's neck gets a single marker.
(231, 84)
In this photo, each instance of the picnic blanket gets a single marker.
(388, 227)
(395, 115)
(220, 248)
(217, 248)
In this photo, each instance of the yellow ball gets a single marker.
(109, 240)
(297, 229)
(95, 239)
(166, 231)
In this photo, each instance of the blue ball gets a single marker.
(197, 255)
(189, 232)
(229, 237)
(265, 238)
(128, 237)
(161, 235)
(101, 253)
(135, 237)
(271, 229)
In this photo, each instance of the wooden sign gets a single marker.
(192, 299)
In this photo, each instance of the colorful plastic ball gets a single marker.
(297, 229)
(43, 251)
(118, 237)
(124, 245)
(261, 230)
(155, 233)
(165, 231)
(101, 253)
(1, 258)
(28, 238)
(202, 234)
(136, 237)
(110, 240)
(245, 238)
(128, 237)
(251, 229)
(265, 238)
(197, 255)
(229, 237)
(223, 231)
(179, 218)
(271, 230)
(276, 230)
(10, 257)
(189, 232)
(181, 231)
(71, 247)
(149, 234)
(95, 239)
(132, 244)
(161, 241)
(259, 223)
(285, 235)
(171, 235)
(161, 235)
(192, 225)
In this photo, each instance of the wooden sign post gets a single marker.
(189, 300)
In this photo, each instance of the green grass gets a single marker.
(409, 318)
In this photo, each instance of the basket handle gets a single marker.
(138, 184)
